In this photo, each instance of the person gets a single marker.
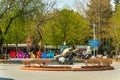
(56, 53)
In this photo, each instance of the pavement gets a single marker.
(12, 72)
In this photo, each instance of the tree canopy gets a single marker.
(99, 13)
(69, 26)
(17, 16)
(115, 27)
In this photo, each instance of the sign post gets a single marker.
(94, 44)
(94, 37)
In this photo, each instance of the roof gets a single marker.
(14, 45)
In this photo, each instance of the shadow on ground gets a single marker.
(1, 78)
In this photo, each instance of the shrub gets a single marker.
(98, 62)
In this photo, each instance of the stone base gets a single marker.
(67, 68)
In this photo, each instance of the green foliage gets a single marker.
(100, 12)
(115, 28)
(40, 17)
(68, 26)
(18, 31)
(16, 16)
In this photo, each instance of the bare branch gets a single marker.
(82, 6)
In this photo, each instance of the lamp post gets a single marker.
(94, 37)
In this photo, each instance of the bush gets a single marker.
(98, 62)
(78, 60)
(113, 52)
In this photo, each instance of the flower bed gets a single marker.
(98, 64)
(67, 68)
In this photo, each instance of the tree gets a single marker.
(10, 10)
(40, 18)
(18, 31)
(115, 28)
(99, 13)
(117, 1)
(82, 6)
(69, 26)
(15, 11)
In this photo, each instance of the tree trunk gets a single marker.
(117, 49)
(1, 43)
(6, 52)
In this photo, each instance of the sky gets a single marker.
(71, 4)
(66, 4)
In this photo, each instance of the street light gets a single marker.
(94, 37)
